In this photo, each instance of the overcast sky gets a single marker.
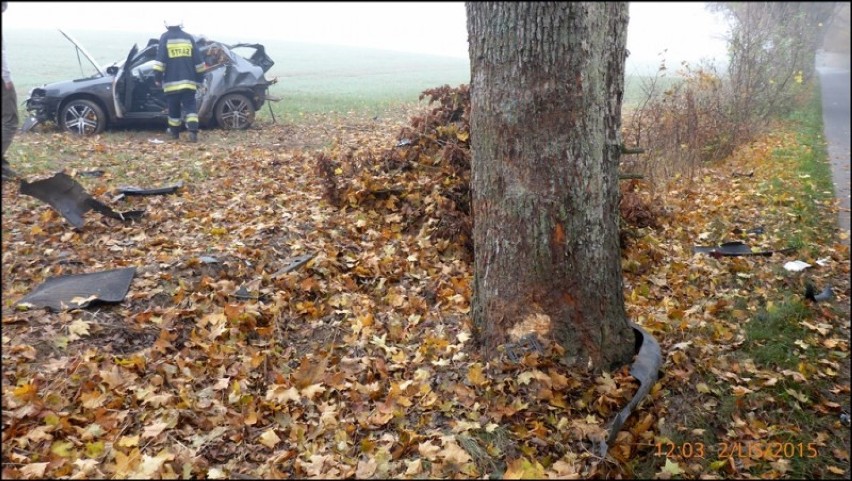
(686, 29)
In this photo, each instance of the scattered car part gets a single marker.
(80, 290)
(646, 369)
(825, 295)
(243, 293)
(133, 190)
(71, 200)
(735, 248)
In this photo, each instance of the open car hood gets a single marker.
(82, 50)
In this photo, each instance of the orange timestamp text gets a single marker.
(737, 449)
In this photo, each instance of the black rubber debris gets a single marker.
(71, 200)
(169, 189)
(80, 290)
(735, 248)
(646, 369)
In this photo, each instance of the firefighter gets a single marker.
(179, 69)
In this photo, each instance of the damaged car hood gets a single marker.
(81, 49)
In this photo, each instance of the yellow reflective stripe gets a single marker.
(158, 66)
(174, 122)
(180, 85)
(191, 118)
(200, 67)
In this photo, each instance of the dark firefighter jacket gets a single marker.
(179, 65)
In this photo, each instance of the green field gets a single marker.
(312, 79)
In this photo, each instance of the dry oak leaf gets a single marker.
(154, 429)
(453, 452)
(269, 438)
(34, 470)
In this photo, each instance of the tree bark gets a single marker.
(547, 81)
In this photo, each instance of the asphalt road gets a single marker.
(835, 81)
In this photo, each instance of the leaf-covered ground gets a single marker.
(360, 363)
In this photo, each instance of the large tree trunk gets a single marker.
(547, 81)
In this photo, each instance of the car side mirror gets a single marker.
(112, 70)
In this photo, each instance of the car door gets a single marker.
(122, 85)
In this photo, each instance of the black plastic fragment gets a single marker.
(79, 290)
(71, 200)
(29, 123)
(646, 369)
(735, 248)
(243, 293)
(825, 295)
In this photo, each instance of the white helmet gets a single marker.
(173, 22)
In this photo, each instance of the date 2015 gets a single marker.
(744, 449)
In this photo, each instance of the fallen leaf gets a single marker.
(269, 438)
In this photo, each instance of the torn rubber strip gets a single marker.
(169, 189)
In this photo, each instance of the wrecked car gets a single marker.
(233, 90)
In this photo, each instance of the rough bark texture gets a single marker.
(547, 81)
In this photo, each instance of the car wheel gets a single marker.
(83, 117)
(235, 112)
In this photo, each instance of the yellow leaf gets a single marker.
(475, 375)
(269, 439)
(63, 449)
(522, 468)
(95, 449)
(672, 468)
(25, 392)
(129, 441)
(125, 463)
